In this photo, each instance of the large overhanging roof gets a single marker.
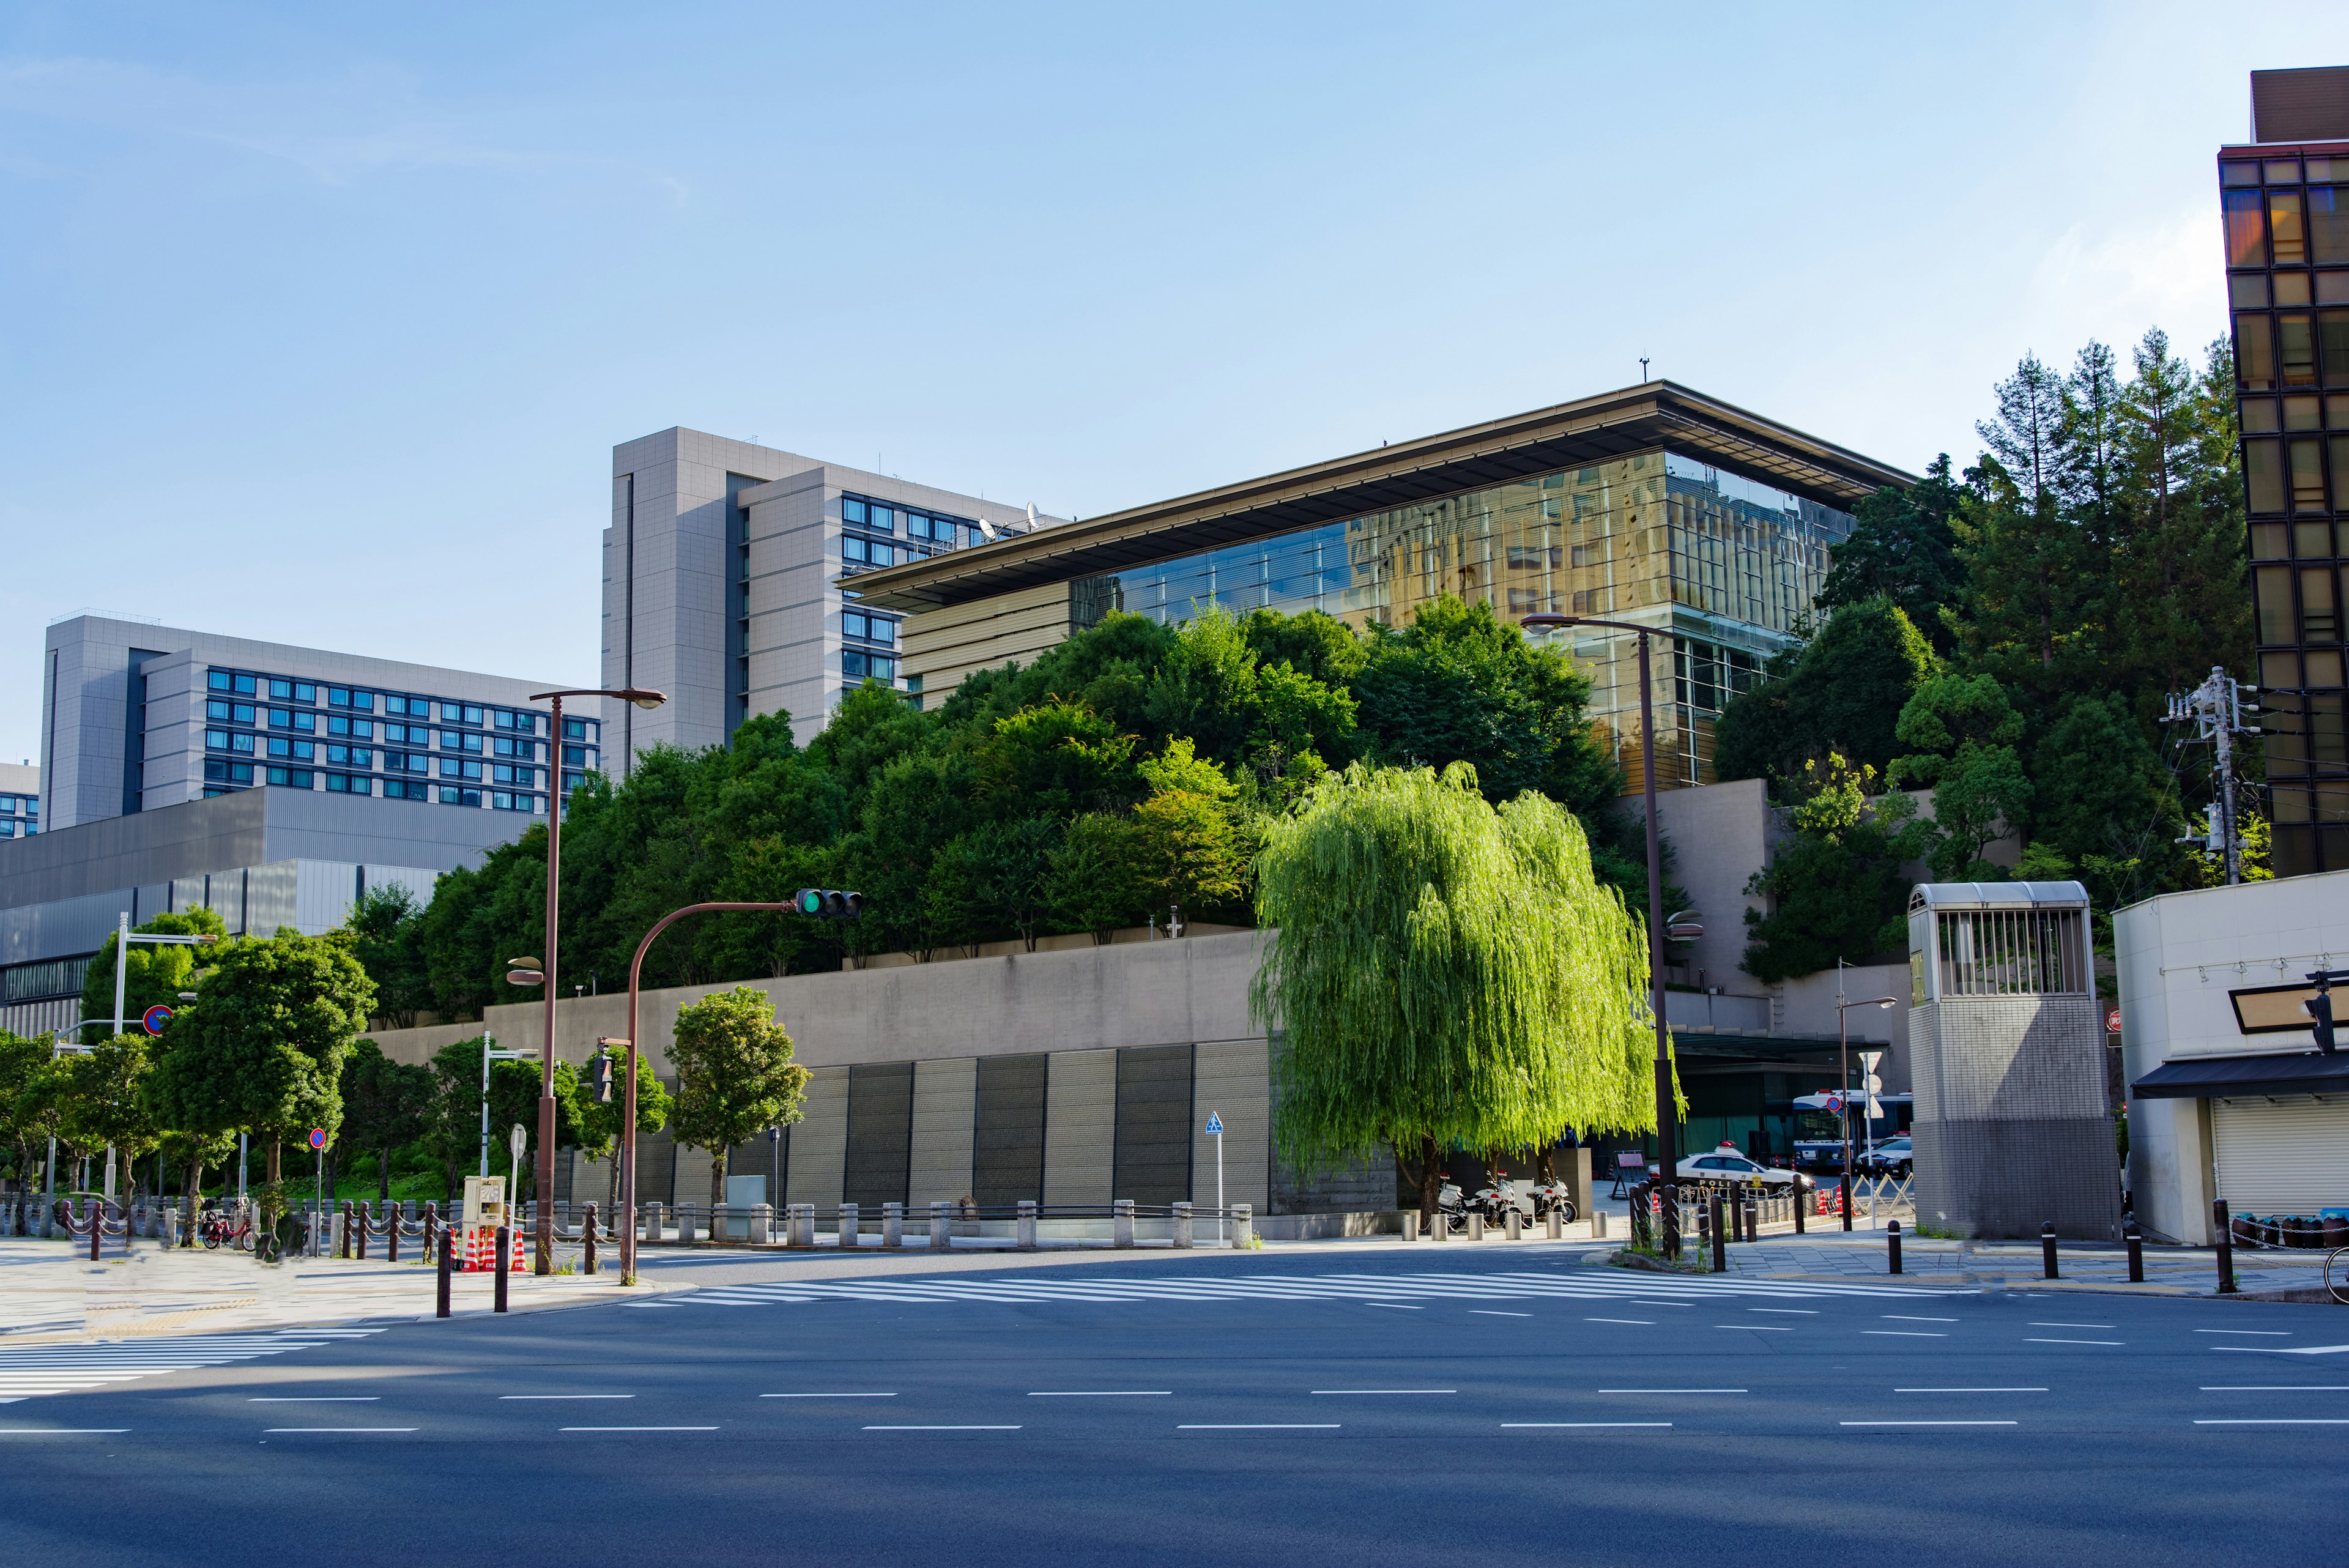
(1570, 435)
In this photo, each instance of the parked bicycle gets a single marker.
(2337, 1287)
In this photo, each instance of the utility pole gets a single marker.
(2216, 708)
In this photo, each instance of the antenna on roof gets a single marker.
(1643, 368)
(1031, 514)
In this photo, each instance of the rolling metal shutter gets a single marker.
(2286, 1158)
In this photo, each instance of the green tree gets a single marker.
(1055, 758)
(1840, 694)
(1098, 880)
(105, 1100)
(1965, 733)
(386, 931)
(600, 1124)
(1013, 863)
(1443, 975)
(2105, 808)
(1191, 852)
(24, 1122)
(735, 1076)
(1838, 887)
(1903, 550)
(155, 973)
(261, 1048)
(192, 1154)
(386, 1106)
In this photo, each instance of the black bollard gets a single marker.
(2135, 1253)
(504, 1241)
(1802, 1198)
(96, 1227)
(1670, 1194)
(1843, 1185)
(1892, 1242)
(2047, 1250)
(2225, 1246)
(391, 1235)
(1719, 1237)
(440, 1306)
(588, 1259)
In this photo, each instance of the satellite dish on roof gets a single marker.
(1032, 516)
(986, 530)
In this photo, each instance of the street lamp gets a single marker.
(1667, 1113)
(1843, 1056)
(544, 1230)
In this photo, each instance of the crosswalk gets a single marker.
(1406, 1290)
(29, 1371)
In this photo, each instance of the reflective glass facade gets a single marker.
(261, 729)
(20, 815)
(2286, 211)
(1725, 564)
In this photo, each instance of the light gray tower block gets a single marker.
(2007, 1044)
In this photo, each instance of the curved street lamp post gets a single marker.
(543, 1230)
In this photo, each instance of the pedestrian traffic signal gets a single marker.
(829, 904)
(599, 1081)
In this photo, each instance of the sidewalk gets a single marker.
(50, 1290)
(2017, 1265)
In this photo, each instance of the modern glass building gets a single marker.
(137, 716)
(2285, 197)
(20, 800)
(1654, 506)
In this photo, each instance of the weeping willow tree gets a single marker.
(1443, 975)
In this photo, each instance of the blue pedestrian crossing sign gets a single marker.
(1215, 1124)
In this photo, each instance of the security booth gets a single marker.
(2012, 1127)
(484, 1211)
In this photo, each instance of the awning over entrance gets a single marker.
(2215, 1077)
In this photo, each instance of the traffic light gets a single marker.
(599, 1081)
(829, 904)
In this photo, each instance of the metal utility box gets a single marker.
(2007, 1048)
(485, 1202)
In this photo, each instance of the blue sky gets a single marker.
(320, 326)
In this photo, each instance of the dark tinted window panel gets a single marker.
(880, 1133)
(1153, 1124)
(1007, 1139)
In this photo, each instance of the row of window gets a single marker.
(857, 550)
(2288, 228)
(358, 700)
(2307, 541)
(855, 665)
(2283, 170)
(15, 805)
(2319, 606)
(2291, 348)
(885, 516)
(226, 778)
(11, 827)
(2265, 416)
(871, 628)
(2288, 476)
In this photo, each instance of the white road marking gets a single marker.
(1394, 1306)
(1672, 1390)
(1386, 1390)
(2259, 1333)
(1643, 1322)
(1258, 1427)
(33, 1370)
(1101, 1393)
(636, 1428)
(2071, 1325)
(2016, 1390)
(2279, 1421)
(1926, 1423)
(2285, 1349)
(1505, 1425)
(313, 1398)
(61, 1431)
(2086, 1342)
(1487, 1312)
(941, 1428)
(281, 1431)
(2275, 1388)
(1788, 1312)
(566, 1395)
(1904, 1333)
(1907, 1317)
(888, 1395)
(1756, 1327)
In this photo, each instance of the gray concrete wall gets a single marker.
(945, 1113)
(1080, 1127)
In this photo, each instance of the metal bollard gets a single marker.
(504, 1243)
(2135, 1243)
(1243, 1224)
(1027, 1242)
(441, 1302)
(96, 1227)
(1411, 1224)
(1182, 1225)
(586, 1232)
(1513, 1227)
(2225, 1246)
(1120, 1222)
(893, 1226)
(1599, 1224)
(1475, 1227)
(1669, 1195)
(1720, 1238)
(1556, 1226)
(652, 1222)
(2047, 1250)
(1441, 1225)
(846, 1228)
(1892, 1243)
(942, 1225)
(391, 1235)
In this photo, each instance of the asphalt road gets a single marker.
(1238, 1408)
